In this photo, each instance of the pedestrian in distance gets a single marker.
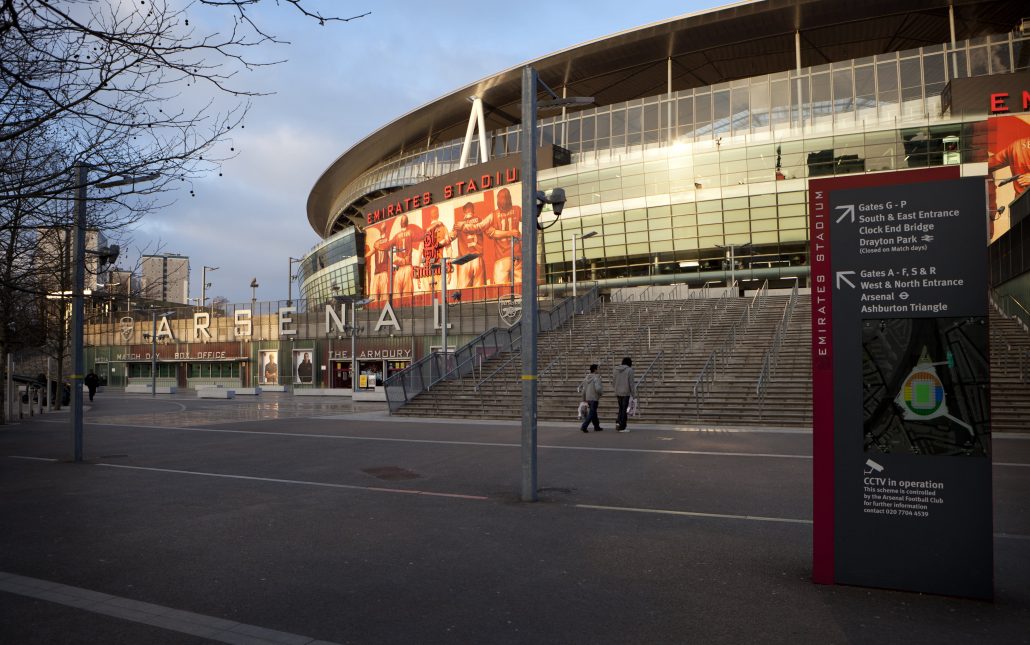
(625, 387)
(591, 388)
(91, 381)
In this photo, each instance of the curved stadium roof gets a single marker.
(731, 42)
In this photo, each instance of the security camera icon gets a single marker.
(872, 467)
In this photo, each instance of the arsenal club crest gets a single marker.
(126, 326)
(509, 307)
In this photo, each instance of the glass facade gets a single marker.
(670, 182)
(333, 267)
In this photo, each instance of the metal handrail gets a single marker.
(428, 372)
(658, 359)
(707, 375)
(501, 367)
(557, 361)
(1023, 317)
(761, 295)
(769, 360)
(557, 317)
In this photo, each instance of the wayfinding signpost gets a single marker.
(901, 382)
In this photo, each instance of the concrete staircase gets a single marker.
(676, 338)
(1010, 375)
(670, 342)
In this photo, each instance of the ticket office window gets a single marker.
(214, 370)
(370, 374)
(142, 370)
(392, 367)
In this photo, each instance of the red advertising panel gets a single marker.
(402, 253)
(1008, 148)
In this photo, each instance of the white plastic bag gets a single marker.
(581, 412)
(632, 409)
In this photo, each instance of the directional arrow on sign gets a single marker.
(848, 209)
(843, 276)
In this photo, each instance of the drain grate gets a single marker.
(391, 473)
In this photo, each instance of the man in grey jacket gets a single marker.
(592, 389)
(625, 387)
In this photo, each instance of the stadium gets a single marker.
(685, 149)
(700, 139)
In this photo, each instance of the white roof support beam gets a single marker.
(476, 118)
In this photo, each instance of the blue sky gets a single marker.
(339, 83)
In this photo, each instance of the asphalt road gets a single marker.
(325, 521)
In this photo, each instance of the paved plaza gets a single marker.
(311, 519)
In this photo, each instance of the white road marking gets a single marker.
(487, 444)
(464, 443)
(183, 622)
(404, 491)
(659, 511)
(32, 458)
(300, 482)
(750, 518)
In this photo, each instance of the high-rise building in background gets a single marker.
(53, 258)
(166, 277)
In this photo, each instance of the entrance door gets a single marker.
(341, 376)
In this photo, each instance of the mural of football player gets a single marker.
(435, 241)
(405, 238)
(470, 231)
(379, 282)
(505, 224)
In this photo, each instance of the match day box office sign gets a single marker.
(196, 352)
(901, 418)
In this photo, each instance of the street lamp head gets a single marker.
(353, 301)
(590, 234)
(254, 283)
(566, 102)
(127, 180)
(468, 257)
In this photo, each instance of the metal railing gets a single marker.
(704, 382)
(765, 375)
(547, 321)
(426, 372)
(655, 371)
(1010, 307)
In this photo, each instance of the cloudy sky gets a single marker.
(339, 83)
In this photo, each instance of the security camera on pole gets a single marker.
(530, 195)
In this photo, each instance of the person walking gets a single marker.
(592, 389)
(91, 382)
(625, 387)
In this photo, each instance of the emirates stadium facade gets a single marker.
(697, 147)
(690, 166)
